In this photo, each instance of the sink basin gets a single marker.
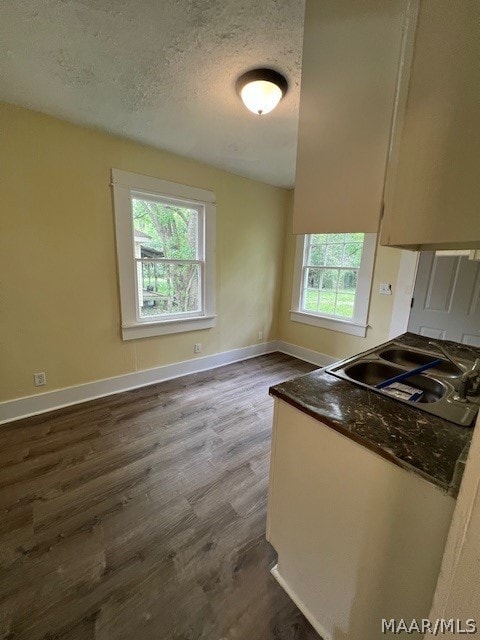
(412, 359)
(439, 384)
(371, 373)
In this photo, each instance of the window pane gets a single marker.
(327, 302)
(335, 237)
(165, 288)
(352, 254)
(347, 281)
(334, 255)
(354, 237)
(317, 254)
(345, 304)
(310, 300)
(328, 294)
(164, 231)
(318, 238)
(313, 278)
(329, 279)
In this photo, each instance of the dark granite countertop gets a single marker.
(432, 447)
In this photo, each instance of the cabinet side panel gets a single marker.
(435, 187)
(358, 538)
(349, 72)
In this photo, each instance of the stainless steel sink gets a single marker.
(438, 384)
(371, 373)
(411, 359)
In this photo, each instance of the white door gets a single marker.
(446, 299)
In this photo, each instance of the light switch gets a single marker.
(385, 289)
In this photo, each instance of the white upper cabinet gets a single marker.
(349, 76)
(432, 195)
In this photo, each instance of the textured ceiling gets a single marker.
(160, 72)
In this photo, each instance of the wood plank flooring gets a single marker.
(142, 515)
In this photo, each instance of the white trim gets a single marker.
(297, 271)
(454, 252)
(474, 254)
(165, 187)
(365, 279)
(358, 325)
(149, 329)
(319, 628)
(314, 357)
(51, 400)
(126, 184)
(403, 292)
(334, 324)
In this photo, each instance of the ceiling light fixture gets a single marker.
(261, 90)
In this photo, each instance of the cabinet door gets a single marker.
(349, 74)
(432, 196)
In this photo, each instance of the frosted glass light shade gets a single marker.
(261, 90)
(261, 96)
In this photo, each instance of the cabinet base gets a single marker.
(300, 604)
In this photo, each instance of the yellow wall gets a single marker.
(59, 304)
(334, 343)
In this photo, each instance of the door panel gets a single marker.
(441, 286)
(471, 340)
(446, 299)
(430, 332)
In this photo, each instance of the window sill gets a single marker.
(334, 324)
(165, 327)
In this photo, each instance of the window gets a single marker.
(332, 280)
(165, 236)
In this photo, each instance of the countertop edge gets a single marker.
(450, 489)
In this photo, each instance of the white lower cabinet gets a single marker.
(358, 538)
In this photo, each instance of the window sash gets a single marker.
(171, 316)
(200, 250)
(307, 244)
(169, 261)
(136, 194)
(329, 266)
(186, 204)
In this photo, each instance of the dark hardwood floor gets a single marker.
(142, 515)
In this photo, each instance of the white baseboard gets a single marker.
(51, 400)
(314, 357)
(300, 604)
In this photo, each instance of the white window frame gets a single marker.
(358, 325)
(127, 185)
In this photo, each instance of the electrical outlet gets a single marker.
(260, 335)
(40, 379)
(197, 347)
(385, 289)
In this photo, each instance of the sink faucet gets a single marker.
(470, 380)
